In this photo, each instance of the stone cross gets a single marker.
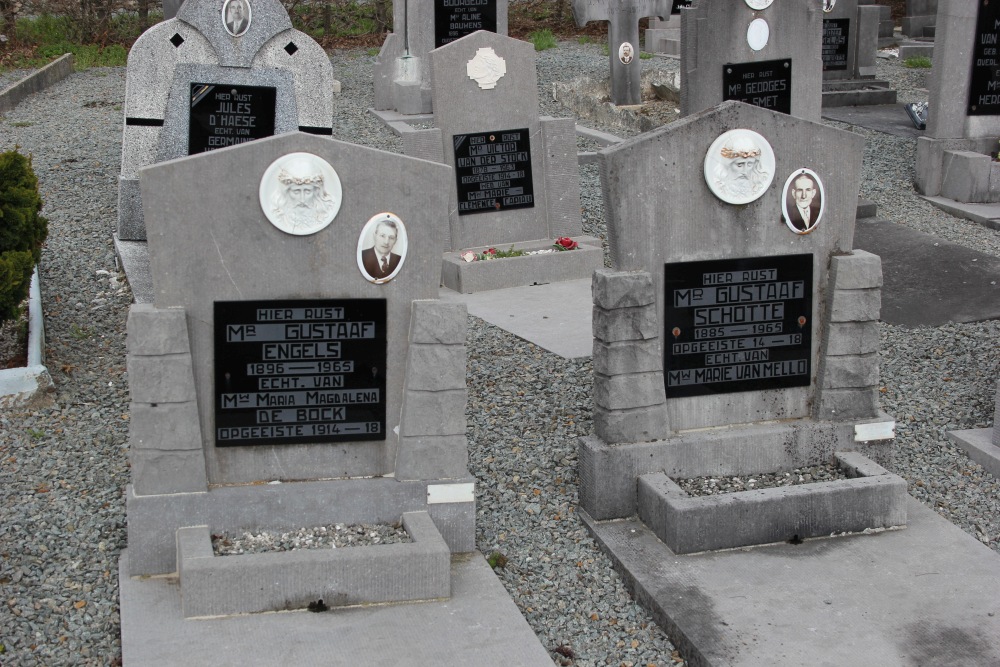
(623, 39)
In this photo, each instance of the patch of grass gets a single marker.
(605, 49)
(496, 559)
(543, 39)
(645, 55)
(373, 51)
(78, 332)
(917, 62)
(36, 434)
(23, 123)
(584, 39)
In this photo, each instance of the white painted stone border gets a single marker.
(19, 385)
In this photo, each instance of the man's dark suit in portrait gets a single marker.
(803, 204)
(379, 260)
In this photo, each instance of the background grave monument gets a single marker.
(850, 45)
(728, 342)
(954, 157)
(402, 73)
(516, 182)
(920, 18)
(193, 85)
(982, 444)
(770, 57)
(664, 35)
(623, 39)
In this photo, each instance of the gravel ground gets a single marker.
(713, 486)
(63, 467)
(321, 537)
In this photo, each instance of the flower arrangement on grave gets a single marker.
(22, 231)
(561, 243)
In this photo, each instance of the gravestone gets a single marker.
(623, 39)
(920, 18)
(850, 45)
(516, 181)
(664, 35)
(963, 116)
(402, 73)
(277, 382)
(738, 335)
(982, 444)
(219, 74)
(769, 57)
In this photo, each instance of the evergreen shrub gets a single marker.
(22, 230)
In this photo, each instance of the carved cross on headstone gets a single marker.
(623, 39)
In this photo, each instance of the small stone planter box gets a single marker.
(30, 384)
(484, 275)
(225, 585)
(871, 498)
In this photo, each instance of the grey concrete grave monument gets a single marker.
(982, 444)
(623, 39)
(664, 36)
(770, 57)
(850, 45)
(516, 182)
(402, 72)
(219, 74)
(275, 385)
(920, 18)
(729, 341)
(955, 156)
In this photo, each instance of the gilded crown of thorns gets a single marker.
(288, 179)
(730, 154)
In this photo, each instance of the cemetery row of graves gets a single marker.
(259, 320)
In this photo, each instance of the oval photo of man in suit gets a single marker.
(382, 248)
(236, 16)
(802, 202)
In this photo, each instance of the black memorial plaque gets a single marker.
(454, 19)
(677, 5)
(984, 82)
(493, 171)
(295, 371)
(224, 115)
(737, 325)
(836, 38)
(766, 84)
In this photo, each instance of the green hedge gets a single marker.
(22, 230)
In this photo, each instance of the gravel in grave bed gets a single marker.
(334, 536)
(713, 486)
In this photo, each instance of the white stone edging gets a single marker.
(20, 385)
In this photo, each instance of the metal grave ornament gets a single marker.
(299, 371)
(739, 166)
(300, 193)
(803, 201)
(382, 248)
(486, 68)
(735, 325)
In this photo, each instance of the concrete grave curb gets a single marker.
(20, 386)
(248, 583)
(871, 498)
(480, 276)
(55, 71)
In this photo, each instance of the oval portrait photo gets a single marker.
(739, 166)
(382, 248)
(803, 201)
(300, 193)
(236, 15)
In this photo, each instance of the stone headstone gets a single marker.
(850, 47)
(402, 73)
(279, 353)
(738, 334)
(963, 116)
(769, 57)
(664, 36)
(623, 39)
(219, 74)
(515, 178)
(920, 18)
